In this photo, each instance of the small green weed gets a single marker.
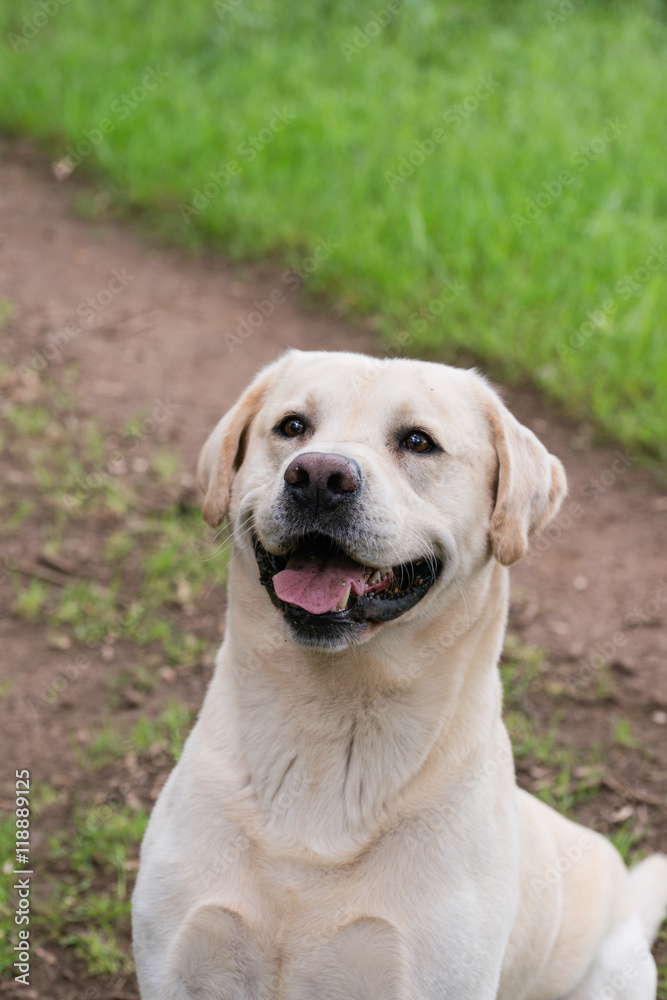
(625, 840)
(107, 747)
(166, 465)
(102, 952)
(30, 421)
(30, 600)
(6, 310)
(623, 734)
(24, 510)
(143, 677)
(118, 547)
(170, 729)
(182, 551)
(519, 668)
(92, 611)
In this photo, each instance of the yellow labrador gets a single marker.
(344, 823)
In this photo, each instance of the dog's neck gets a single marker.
(333, 746)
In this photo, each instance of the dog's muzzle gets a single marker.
(327, 596)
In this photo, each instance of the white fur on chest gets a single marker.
(406, 903)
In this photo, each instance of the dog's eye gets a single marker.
(417, 441)
(292, 427)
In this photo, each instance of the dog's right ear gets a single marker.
(222, 455)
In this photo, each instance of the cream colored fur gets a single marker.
(346, 825)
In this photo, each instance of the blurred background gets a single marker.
(186, 189)
(260, 130)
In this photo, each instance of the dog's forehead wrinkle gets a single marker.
(357, 385)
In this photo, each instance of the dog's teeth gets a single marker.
(342, 604)
(375, 578)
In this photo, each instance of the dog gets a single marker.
(344, 821)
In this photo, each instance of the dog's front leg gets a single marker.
(217, 957)
(369, 959)
(362, 960)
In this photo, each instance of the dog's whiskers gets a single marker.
(228, 542)
(466, 604)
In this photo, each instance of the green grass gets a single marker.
(662, 967)
(30, 600)
(623, 734)
(169, 731)
(160, 559)
(96, 613)
(448, 259)
(40, 800)
(567, 780)
(81, 914)
(166, 734)
(8, 936)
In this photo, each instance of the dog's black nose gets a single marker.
(321, 480)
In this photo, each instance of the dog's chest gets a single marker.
(396, 925)
(290, 892)
(324, 782)
(320, 808)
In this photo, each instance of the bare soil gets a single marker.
(592, 596)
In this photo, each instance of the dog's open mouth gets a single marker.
(319, 585)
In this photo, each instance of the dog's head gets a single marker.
(359, 489)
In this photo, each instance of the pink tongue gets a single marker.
(317, 583)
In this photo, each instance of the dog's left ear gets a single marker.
(222, 454)
(531, 483)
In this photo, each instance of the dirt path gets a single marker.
(156, 332)
(162, 338)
